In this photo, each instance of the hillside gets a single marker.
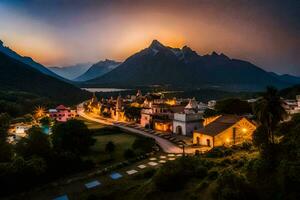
(161, 65)
(28, 61)
(98, 69)
(15, 75)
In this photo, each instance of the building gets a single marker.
(62, 113)
(211, 104)
(186, 122)
(292, 106)
(224, 130)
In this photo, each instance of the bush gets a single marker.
(233, 186)
(174, 175)
(213, 175)
(216, 152)
(129, 153)
(143, 144)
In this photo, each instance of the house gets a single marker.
(186, 122)
(62, 113)
(224, 130)
(292, 106)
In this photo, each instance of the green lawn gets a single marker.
(103, 134)
(91, 124)
(121, 140)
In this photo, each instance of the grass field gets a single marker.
(91, 124)
(103, 134)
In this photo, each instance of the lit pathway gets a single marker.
(166, 145)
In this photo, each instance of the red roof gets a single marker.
(61, 107)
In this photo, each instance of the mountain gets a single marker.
(287, 78)
(17, 76)
(27, 60)
(98, 70)
(71, 72)
(162, 65)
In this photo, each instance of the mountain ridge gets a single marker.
(28, 61)
(18, 76)
(162, 65)
(98, 69)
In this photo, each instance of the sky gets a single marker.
(66, 32)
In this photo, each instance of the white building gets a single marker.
(191, 119)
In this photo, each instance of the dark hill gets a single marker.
(15, 75)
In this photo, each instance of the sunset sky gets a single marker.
(65, 32)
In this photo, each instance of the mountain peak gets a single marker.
(156, 44)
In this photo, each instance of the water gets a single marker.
(105, 89)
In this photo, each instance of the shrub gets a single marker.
(216, 152)
(143, 144)
(174, 175)
(213, 175)
(232, 186)
(129, 153)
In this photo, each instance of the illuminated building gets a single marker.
(62, 113)
(186, 122)
(225, 130)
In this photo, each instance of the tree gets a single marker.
(37, 143)
(4, 125)
(132, 113)
(6, 151)
(45, 121)
(269, 111)
(73, 136)
(110, 148)
(143, 144)
(233, 106)
(210, 113)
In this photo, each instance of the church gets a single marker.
(224, 130)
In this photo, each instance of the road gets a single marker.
(165, 145)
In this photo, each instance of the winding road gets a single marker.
(166, 145)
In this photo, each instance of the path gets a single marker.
(166, 145)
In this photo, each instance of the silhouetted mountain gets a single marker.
(27, 60)
(287, 78)
(15, 75)
(98, 70)
(71, 72)
(161, 65)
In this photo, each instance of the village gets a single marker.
(183, 122)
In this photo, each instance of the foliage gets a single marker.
(129, 153)
(174, 175)
(73, 136)
(233, 106)
(110, 147)
(269, 111)
(143, 144)
(4, 125)
(45, 121)
(132, 113)
(231, 186)
(210, 113)
(17, 103)
(36, 144)
(6, 151)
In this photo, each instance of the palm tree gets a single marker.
(269, 111)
